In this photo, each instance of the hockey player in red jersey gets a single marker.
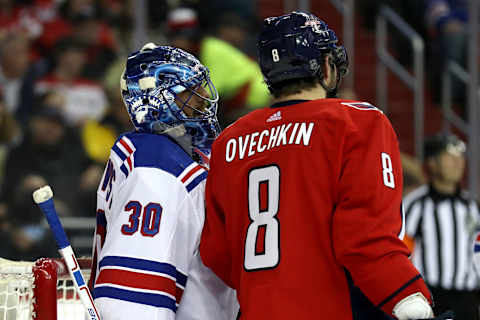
(303, 206)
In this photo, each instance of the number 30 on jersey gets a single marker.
(264, 226)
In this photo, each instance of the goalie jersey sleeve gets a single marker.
(149, 217)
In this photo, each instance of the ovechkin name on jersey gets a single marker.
(281, 135)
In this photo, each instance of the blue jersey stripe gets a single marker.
(147, 265)
(477, 248)
(181, 279)
(119, 152)
(101, 219)
(151, 299)
(124, 169)
(196, 181)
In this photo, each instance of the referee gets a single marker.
(440, 222)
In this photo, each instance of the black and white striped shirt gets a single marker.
(442, 227)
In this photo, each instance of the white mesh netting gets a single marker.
(16, 290)
(69, 306)
(17, 294)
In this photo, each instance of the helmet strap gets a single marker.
(180, 136)
(331, 92)
(159, 127)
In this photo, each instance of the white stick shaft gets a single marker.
(80, 284)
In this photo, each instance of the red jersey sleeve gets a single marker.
(368, 219)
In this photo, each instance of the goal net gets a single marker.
(41, 290)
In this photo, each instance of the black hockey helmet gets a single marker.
(293, 46)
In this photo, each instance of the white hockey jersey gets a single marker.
(150, 213)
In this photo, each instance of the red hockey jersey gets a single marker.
(304, 213)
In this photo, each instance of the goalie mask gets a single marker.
(167, 90)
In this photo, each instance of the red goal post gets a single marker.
(40, 290)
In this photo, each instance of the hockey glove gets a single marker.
(415, 306)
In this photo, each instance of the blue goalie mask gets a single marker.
(166, 89)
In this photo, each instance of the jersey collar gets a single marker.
(287, 103)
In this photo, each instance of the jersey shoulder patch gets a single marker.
(146, 150)
(360, 105)
(153, 151)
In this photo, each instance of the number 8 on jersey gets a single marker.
(263, 218)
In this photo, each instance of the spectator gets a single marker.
(82, 20)
(235, 30)
(411, 11)
(119, 15)
(446, 22)
(99, 136)
(17, 16)
(60, 26)
(238, 79)
(84, 99)
(413, 176)
(10, 133)
(51, 151)
(5, 250)
(440, 221)
(9, 128)
(10, 14)
(25, 234)
(98, 40)
(17, 74)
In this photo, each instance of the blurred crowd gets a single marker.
(60, 107)
(443, 24)
(60, 102)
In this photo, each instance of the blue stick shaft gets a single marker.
(66, 252)
(48, 209)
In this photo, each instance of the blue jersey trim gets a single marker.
(390, 297)
(362, 307)
(119, 152)
(196, 181)
(147, 265)
(101, 219)
(477, 248)
(124, 169)
(181, 279)
(151, 299)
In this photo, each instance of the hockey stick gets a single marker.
(43, 197)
